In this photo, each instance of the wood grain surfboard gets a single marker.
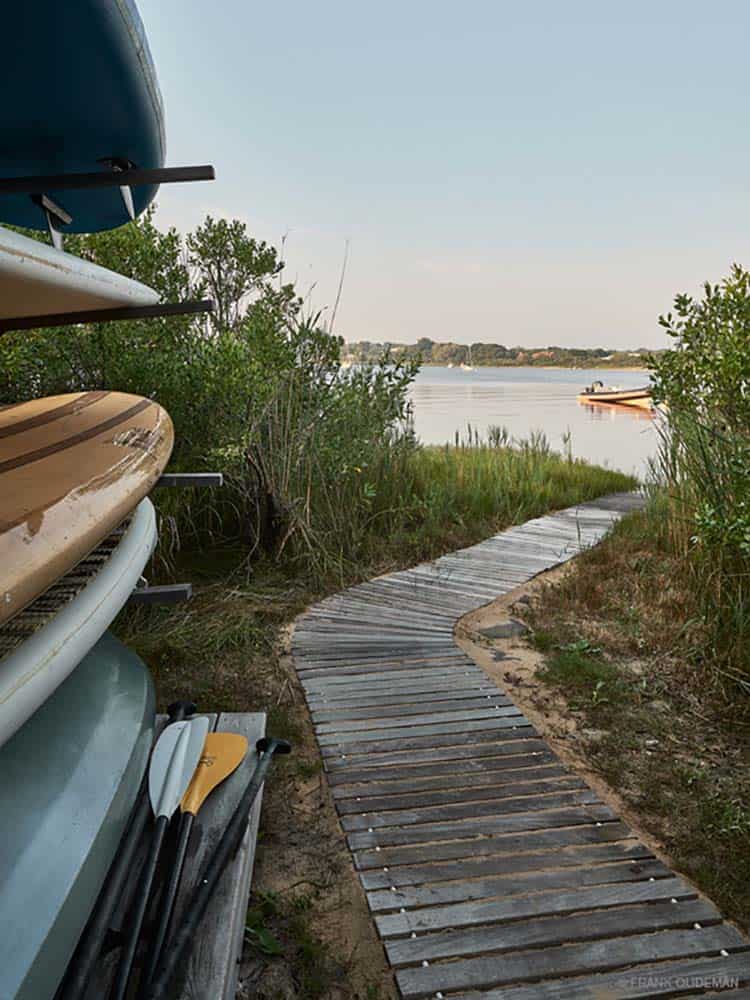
(71, 468)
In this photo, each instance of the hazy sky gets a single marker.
(528, 173)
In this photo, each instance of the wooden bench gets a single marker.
(213, 968)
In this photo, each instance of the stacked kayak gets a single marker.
(76, 525)
(92, 102)
(70, 776)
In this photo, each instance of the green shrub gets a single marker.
(704, 459)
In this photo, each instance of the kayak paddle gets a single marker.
(91, 944)
(222, 755)
(173, 761)
(179, 945)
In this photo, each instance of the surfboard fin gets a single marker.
(55, 215)
(127, 200)
(126, 194)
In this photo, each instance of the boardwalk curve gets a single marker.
(491, 869)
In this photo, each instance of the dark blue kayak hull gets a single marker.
(78, 86)
(68, 781)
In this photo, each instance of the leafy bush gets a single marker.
(704, 458)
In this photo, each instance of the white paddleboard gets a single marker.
(38, 280)
(34, 668)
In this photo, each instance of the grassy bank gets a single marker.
(658, 722)
(309, 930)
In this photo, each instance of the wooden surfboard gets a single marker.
(71, 468)
(36, 280)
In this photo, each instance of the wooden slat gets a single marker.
(469, 824)
(457, 862)
(611, 953)
(468, 789)
(467, 886)
(515, 845)
(549, 932)
(638, 982)
(434, 918)
(213, 964)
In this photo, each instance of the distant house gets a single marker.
(538, 355)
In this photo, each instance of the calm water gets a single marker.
(447, 400)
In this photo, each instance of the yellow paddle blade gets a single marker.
(222, 754)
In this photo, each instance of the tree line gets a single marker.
(432, 352)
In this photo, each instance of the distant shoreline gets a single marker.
(567, 368)
(484, 355)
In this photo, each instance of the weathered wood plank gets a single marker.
(501, 843)
(639, 982)
(418, 724)
(426, 704)
(386, 792)
(460, 865)
(370, 740)
(471, 810)
(567, 960)
(213, 965)
(477, 825)
(511, 750)
(501, 769)
(539, 904)
(466, 886)
(549, 932)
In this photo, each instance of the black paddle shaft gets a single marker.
(125, 965)
(177, 948)
(87, 953)
(167, 901)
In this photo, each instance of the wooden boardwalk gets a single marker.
(490, 868)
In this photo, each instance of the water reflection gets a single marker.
(526, 399)
(610, 411)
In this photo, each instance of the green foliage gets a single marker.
(708, 370)
(323, 475)
(704, 458)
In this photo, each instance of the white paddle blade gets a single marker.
(176, 756)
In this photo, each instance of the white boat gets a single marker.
(467, 366)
